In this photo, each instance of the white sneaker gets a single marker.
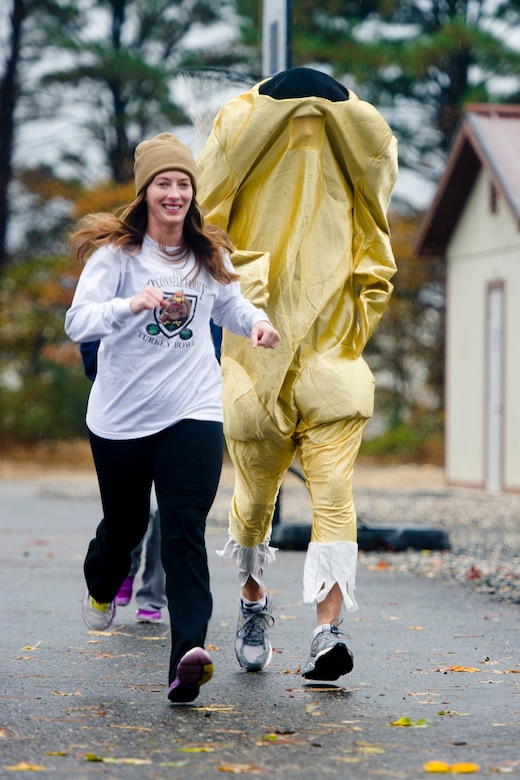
(252, 646)
(97, 615)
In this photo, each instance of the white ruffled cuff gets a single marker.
(250, 560)
(327, 563)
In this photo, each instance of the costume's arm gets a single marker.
(374, 261)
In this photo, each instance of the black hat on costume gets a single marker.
(301, 83)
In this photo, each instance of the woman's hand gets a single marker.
(264, 335)
(149, 298)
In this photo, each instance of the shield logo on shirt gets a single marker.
(175, 316)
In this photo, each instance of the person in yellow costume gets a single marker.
(299, 171)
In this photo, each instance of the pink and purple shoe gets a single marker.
(148, 616)
(125, 592)
(193, 670)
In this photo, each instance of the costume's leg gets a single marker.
(259, 470)
(327, 454)
(260, 466)
(151, 596)
(186, 470)
(124, 475)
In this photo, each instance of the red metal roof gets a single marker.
(488, 137)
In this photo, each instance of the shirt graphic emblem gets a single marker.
(174, 318)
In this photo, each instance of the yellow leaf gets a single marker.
(402, 722)
(184, 762)
(33, 647)
(441, 767)
(422, 723)
(459, 668)
(415, 628)
(464, 768)
(437, 767)
(23, 766)
(199, 749)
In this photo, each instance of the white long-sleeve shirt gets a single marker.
(157, 367)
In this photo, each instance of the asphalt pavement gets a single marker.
(436, 675)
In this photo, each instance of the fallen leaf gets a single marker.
(371, 750)
(313, 708)
(33, 647)
(197, 749)
(215, 708)
(441, 767)
(415, 628)
(464, 768)
(422, 723)
(184, 762)
(238, 769)
(437, 767)
(461, 669)
(23, 766)
(453, 713)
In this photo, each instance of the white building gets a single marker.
(474, 223)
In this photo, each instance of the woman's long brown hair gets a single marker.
(125, 229)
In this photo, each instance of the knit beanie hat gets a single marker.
(163, 152)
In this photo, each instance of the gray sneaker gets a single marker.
(252, 646)
(97, 615)
(330, 656)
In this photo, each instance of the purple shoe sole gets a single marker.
(125, 592)
(148, 616)
(194, 669)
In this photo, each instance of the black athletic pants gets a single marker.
(184, 462)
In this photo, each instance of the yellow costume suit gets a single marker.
(302, 186)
